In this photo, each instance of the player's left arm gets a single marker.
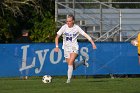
(90, 39)
(86, 36)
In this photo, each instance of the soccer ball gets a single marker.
(134, 42)
(47, 79)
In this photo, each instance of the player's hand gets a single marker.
(56, 49)
(94, 46)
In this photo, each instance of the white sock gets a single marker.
(70, 70)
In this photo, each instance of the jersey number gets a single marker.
(68, 38)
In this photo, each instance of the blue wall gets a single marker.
(40, 59)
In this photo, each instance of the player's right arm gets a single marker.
(59, 33)
(56, 43)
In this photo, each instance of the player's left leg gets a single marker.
(79, 63)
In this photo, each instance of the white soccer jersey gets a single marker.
(70, 36)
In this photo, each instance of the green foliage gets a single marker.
(5, 34)
(43, 29)
(32, 15)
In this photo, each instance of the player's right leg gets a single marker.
(69, 71)
(70, 62)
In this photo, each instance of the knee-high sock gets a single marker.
(77, 64)
(70, 70)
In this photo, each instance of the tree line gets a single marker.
(37, 16)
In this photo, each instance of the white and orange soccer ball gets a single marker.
(47, 79)
(134, 42)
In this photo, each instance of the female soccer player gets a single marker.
(70, 33)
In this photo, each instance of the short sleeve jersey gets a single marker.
(70, 35)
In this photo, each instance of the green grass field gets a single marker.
(78, 85)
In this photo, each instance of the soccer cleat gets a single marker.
(68, 81)
(86, 63)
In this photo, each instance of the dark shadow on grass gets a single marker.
(98, 81)
(114, 80)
